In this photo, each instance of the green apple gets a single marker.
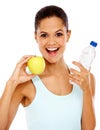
(36, 65)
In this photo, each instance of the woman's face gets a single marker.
(51, 37)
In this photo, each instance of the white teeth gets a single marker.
(51, 49)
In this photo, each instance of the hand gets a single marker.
(20, 75)
(82, 77)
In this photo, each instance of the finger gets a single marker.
(25, 57)
(76, 79)
(73, 71)
(30, 76)
(80, 66)
(24, 60)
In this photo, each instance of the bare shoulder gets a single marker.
(26, 92)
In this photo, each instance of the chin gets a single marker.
(52, 60)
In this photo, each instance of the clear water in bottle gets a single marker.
(88, 54)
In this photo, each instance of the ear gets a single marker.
(35, 36)
(68, 35)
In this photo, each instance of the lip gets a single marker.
(52, 51)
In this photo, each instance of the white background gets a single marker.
(17, 39)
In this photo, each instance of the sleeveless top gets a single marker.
(49, 111)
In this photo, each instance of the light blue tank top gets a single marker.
(52, 112)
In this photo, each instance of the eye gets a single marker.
(43, 35)
(59, 34)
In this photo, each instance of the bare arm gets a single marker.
(86, 81)
(88, 115)
(5, 104)
(11, 98)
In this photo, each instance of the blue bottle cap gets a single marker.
(94, 44)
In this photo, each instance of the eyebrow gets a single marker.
(59, 30)
(55, 32)
(43, 32)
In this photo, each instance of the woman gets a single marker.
(50, 101)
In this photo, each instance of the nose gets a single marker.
(51, 40)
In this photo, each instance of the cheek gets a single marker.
(41, 46)
(41, 41)
(62, 41)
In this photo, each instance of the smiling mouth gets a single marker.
(52, 51)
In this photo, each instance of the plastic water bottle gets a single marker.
(88, 54)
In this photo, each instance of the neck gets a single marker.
(56, 68)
